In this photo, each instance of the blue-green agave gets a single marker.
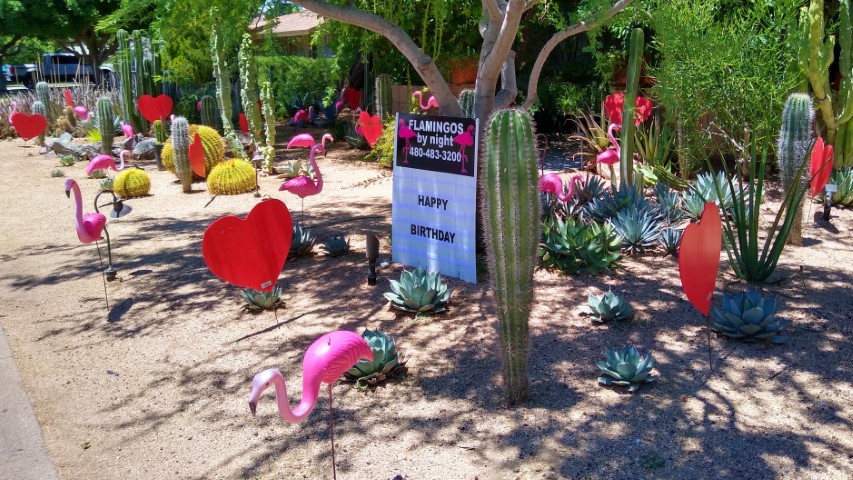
(749, 316)
(336, 246)
(386, 361)
(257, 300)
(626, 367)
(419, 292)
(608, 307)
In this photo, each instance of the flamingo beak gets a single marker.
(253, 406)
(68, 193)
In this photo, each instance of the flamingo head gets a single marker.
(327, 136)
(261, 382)
(69, 184)
(417, 93)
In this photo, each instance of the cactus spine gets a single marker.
(181, 144)
(249, 87)
(208, 111)
(38, 107)
(383, 97)
(466, 102)
(43, 94)
(106, 124)
(128, 99)
(795, 139)
(511, 227)
(268, 150)
(629, 107)
(223, 88)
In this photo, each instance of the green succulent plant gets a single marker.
(419, 292)
(693, 205)
(638, 229)
(749, 316)
(386, 361)
(608, 307)
(670, 239)
(705, 188)
(302, 243)
(843, 179)
(290, 170)
(106, 184)
(336, 246)
(98, 174)
(572, 246)
(626, 367)
(57, 172)
(258, 300)
(66, 160)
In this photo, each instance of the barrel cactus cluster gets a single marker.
(214, 148)
(231, 177)
(131, 183)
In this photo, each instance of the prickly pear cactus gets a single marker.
(511, 227)
(795, 139)
(383, 96)
(232, 177)
(466, 101)
(106, 124)
(209, 111)
(181, 143)
(38, 107)
(131, 183)
(43, 94)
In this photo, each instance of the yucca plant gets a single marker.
(670, 240)
(749, 316)
(336, 246)
(626, 367)
(572, 246)
(419, 292)
(302, 242)
(591, 136)
(638, 229)
(608, 307)
(386, 361)
(258, 300)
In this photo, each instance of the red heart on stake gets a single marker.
(28, 126)
(353, 97)
(244, 123)
(155, 108)
(371, 127)
(197, 157)
(69, 100)
(699, 258)
(250, 253)
(821, 155)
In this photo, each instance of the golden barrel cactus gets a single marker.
(132, 183)
(214, 148)
(231, 177)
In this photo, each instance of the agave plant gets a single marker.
(386, 361)
(302, 243)
(336, 246)
(257, 300)
(106, 184)
(98, 174)
(669, 202)
(626, 367)
(749, 316)
(693, 205)
(706, 189)
(843, 179)
(612, 201)
(290, 170)
(670, 239)
(639, 229)
(608, 307)
(419, 292)
(571, 246)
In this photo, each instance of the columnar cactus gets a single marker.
(629, 107)
(43, 94)
(141, 84)
(159, 131)
(209, 112)
(249, 87)
(106, 124)
(511, 227)
(38, 107)
(181, 144)
(795, 139)
(223, 89)
(383, 96)
(128, 99)
(156, 71)
(466, 101)
(269, 127)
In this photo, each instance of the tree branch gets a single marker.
(422, 62)
(509, 86)
(493, 62)
(13, 40)
(559, 37)
(491, 7)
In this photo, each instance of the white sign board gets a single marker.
(434, 211)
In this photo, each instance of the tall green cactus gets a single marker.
(223, 88)
(181, 145)
(466, 101)
(268, 149)
(39, 108)
(128, 98)
(795, 139)
(249, 87)
(629, 107)
(43, 94)
(384, 99)
(106, 124)
(141, 82)
(209, 112)
(511, 227)
(159, 131)
(156, 71)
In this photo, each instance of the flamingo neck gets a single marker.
(420, 96)
(314, 165)
(306, 404)
(78, 201)
(121, 157)
(612, 138)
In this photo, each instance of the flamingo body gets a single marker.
(127, 129)
(103, 162)
(464, 139)
(303, 140)
(553, 184)
(406, 133)
(303, 186)
(324, 362)
(81, 112)
(431, 102)
(90, 225)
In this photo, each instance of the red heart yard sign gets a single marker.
(197, 157)
(28, 126)
(821, 155)
(155, 108)
(250, 253)
(699, 258)
(371, 127)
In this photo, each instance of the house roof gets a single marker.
(291, 24)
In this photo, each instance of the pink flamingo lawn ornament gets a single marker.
(89, 226)
(324, 362)
(553, 184)
(464, 139)
(305, 140)
(302, 185)
(127, 129)
(103, 162)
(407, 134)
(14, 111)
(81, 112)
(431, 102)
(610, 156)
